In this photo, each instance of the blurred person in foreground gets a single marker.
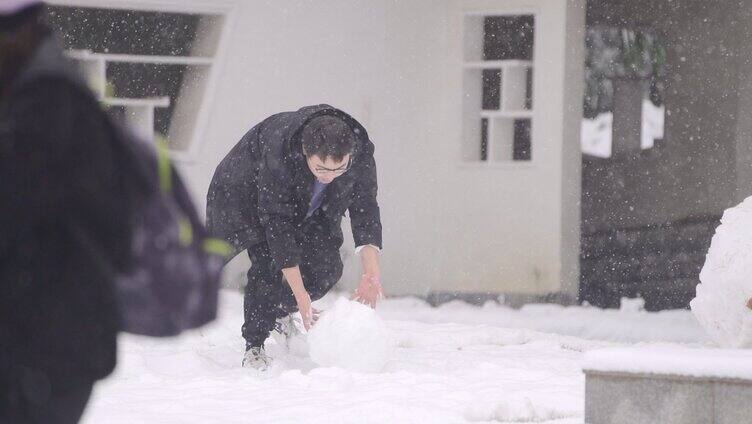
(281, 193)
(65, 228)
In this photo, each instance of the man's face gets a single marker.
(327, 170)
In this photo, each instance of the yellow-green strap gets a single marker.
(211, 245)
(218, 247)
(164, 165)
(186, 232)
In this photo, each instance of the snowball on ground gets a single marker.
(726, 281)
(351, 336)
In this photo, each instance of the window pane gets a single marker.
(144, 33)
(491, 89)
(508, 37)
(126, 31)
(139, 80)
(521, 146)
(484, 139)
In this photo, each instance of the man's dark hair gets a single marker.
(20, 35)
(28, 15)
(327, 136)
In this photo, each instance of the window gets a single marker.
(150, 68)
(498, 88)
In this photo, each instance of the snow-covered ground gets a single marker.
(453, 364)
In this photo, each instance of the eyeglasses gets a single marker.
(337, 171)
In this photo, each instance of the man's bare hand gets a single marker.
(306, 310)
(369, 291)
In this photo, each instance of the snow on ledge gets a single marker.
(677, 361)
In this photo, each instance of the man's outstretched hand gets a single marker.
(295, 280)
(308, 313)
(369, 291)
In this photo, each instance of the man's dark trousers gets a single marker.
(267, 294)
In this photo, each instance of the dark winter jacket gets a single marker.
(262, 189)
(64, 212)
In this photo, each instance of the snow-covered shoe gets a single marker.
(285, 329)
(256, 358)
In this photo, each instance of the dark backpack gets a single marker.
(173, 282)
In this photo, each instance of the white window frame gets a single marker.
(226, 8)
(531, 114)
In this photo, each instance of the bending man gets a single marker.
(281, 194)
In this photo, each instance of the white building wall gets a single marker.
(397, 67)
(474, 227)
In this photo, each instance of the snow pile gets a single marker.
(591, 323)
(672, 360)
(726, 281)
(653, 123)
(595, 135)
(522, 408)
(632, 305)
(350, 336)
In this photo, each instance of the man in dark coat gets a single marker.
(281, 194)
(65, 228)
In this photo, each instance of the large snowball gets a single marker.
(726, 281)
(350, 335)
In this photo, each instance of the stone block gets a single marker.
(668, 386)
(629, 399)
(733, 403)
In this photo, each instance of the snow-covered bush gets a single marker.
(726, 281)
